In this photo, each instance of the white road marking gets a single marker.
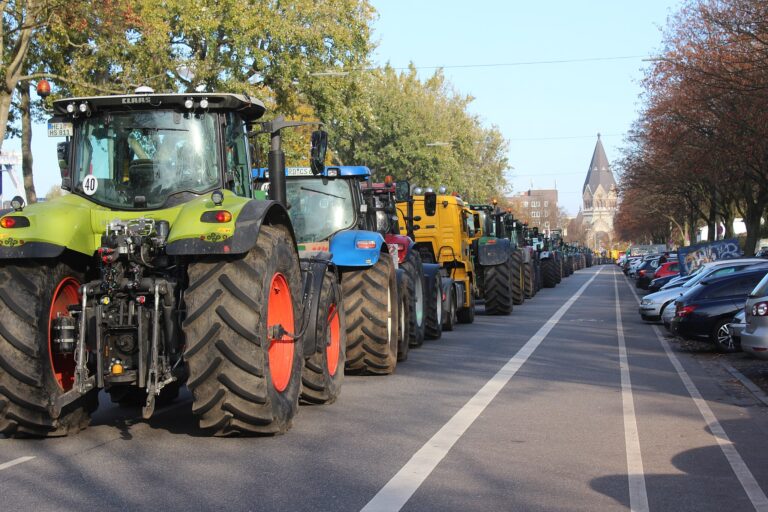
(739, 467)
(638, 496)
(15, 462)
(394, 495)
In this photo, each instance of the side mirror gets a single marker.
(430, 203)
(62, 155)
(402, 191)
(318, 150)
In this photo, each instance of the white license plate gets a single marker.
(59, 129)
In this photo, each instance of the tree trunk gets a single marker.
(752, 222)
(712, 220)
(26, 143)
(5, 109)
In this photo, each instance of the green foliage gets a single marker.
(419, 130)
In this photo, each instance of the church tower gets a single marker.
(599, 201)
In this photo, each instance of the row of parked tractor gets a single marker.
(176, 259)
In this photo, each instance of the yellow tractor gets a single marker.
(444, 228)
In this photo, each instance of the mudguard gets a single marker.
(494, 251)
(313, 270)
(544, 255)
(404, 245)
(346, 253)
(248, 221)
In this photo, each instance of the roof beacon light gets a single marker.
(388, 180)
(144, 89)
(417, 191)
(442, 190)
(429, 190)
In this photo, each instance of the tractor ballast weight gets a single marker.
(162, 266)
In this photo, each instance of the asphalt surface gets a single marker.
(525, 412)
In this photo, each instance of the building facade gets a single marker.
(599, 197)
(536, 207)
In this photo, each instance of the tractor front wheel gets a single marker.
(324, 370)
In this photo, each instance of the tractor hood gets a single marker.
(44, 230)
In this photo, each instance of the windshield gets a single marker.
(138, 159)
(319, 207)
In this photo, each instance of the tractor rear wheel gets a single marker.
(32, 372)
(371, 304)
(433, 311)
(324, 371)
(518, 278)
(549, 272)
(242, 312)
(416, 289)
(530, 284)
(499, 284)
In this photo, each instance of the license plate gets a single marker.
(59, 129)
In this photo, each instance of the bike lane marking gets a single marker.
(15, 462)
(394, 495)
(741, 470)
(638, 495)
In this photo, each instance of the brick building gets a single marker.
(536, 207)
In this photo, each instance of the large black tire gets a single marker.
(529, 280)
(371, 304)
(323, 371)
(417, 290)
(518, 278)
(433, 310)
(242, 379)
(466, 314)
(28, 381)
(537, 274)
(549, 272)
(558, 259)
(403, 326)
(499, 282)
(449, 320)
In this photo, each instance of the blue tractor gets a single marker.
(329, 215)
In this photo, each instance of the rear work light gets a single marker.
(760, 309)
(220, 217)
(14, 222)
(365, 244)
(684, 311)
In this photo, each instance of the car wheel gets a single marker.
(722, 338)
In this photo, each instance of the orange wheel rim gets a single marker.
(333, 348)
(67, 293)
(280, 311)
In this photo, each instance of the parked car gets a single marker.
(645, 276)
(652, 305)
(706, 309)
(754, 337)
(658, 282)
(737, 326)
(636, 266)
(630, 262)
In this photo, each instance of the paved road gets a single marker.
(541, 410)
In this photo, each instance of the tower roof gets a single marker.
(599, 172)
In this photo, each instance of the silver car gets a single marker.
(653, 305)
(737, 326)
(754, 337)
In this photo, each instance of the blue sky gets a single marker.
(550, 113)
(545, 101)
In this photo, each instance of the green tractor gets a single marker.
(162, 266)
(499, 264)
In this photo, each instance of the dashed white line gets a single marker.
(15, 462)
(406, 482)
(739, 467)
(638, 496)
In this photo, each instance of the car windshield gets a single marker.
(139, 159)
(319, 207)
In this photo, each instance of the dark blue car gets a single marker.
(706, 309)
